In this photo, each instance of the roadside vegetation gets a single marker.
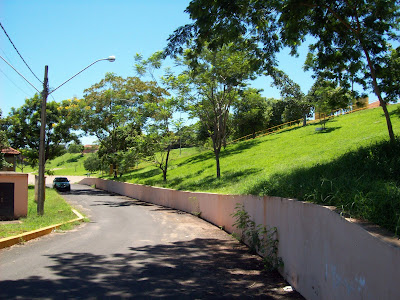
(350, 164)
(66, 164)
(57, 211)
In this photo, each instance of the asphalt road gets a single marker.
(132, 249)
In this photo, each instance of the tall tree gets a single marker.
(389, 75)
(114, 109)
(350, 36)
(24, 129)
(3, 141)
(252, 113)
(210, 84)
(159, 136)
(297, 105)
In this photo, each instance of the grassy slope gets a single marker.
(325, 167)
(67, 164)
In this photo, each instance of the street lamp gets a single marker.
(45, 93)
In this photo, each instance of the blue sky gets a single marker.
(69, 35)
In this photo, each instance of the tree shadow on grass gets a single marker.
(199, 268)
(326, 130)
(240, 147)
(211, 182)
(395, 112)
(141, 176)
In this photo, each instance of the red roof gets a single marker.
(10, 150)
(374, 104)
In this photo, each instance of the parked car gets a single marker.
(61, 184)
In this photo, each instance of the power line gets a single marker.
(19, 73)
(19, 53)
(1, 71)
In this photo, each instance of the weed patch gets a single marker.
(259, 239)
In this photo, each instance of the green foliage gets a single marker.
(3, 142)
(389, 75)
(66, 164)
(92, 163)
(259, 239)
(75, 148)
(251, 166)
(251, 113)
(115, 110)
(159, 137)
(24, 129)
(210, 85)
(350, 38)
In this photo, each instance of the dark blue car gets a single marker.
(61, 184)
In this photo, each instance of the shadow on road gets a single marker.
(200, 268)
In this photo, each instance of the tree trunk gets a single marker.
(217, 164)
(378, 94)
(166, 164)
(115, 170)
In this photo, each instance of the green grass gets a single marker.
(56, 211)
(350, 165)
(67, 164)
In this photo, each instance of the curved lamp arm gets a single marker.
(110, 59)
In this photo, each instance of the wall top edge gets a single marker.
(10, 173)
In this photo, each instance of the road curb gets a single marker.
(24, 237)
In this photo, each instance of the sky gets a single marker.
(67, 36)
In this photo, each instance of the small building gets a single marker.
(10, 155)
(90, 149)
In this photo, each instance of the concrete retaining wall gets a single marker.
(325, 255)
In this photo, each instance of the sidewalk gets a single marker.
(49, 179)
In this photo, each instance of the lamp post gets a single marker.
(45, 93)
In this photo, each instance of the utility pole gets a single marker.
(42, 182)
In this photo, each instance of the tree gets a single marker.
(297, 105)
(159, 137)
(351, 36)
(252, 113)
(389, 75)
(92, 163)
(114, 111)
(3, 141)
(24, 129)
(75, 148)
(326, 97)
(210, 85)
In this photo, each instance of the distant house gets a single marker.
(90, 149)
(374, 104)
(10, 155)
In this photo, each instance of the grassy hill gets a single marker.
(349, 165)
(67, 164)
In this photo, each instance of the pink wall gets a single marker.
(325, 255)
(20, 181)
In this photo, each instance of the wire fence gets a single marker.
(294, 124)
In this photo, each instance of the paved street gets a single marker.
(132, 249)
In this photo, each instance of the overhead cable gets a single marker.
(19, 53)
(5, 75)
(19, 73)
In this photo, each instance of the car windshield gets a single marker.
(61, 179)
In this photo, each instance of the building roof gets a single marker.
(10, 151)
